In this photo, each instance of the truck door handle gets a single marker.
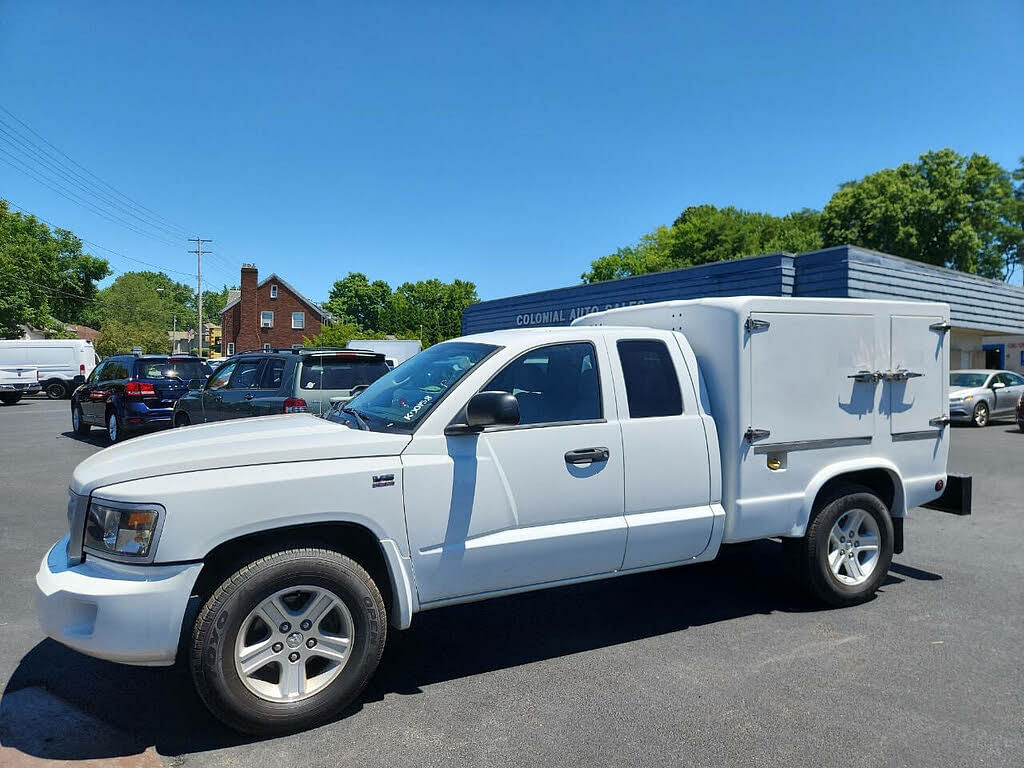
(586, 455)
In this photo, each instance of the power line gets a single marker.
(69, 195)
(90, 173)
(101, 247)
(79, 181)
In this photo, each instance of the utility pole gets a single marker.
(199, 284)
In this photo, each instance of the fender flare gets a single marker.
(839, 468)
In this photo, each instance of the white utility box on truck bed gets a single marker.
(278, 550)
(814, 388)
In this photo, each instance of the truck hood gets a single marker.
(243, 442)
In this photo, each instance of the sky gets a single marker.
(506, 143)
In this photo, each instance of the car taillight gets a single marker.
(139, 389)
(295, 405)
(81, 369)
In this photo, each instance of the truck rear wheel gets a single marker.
(848, 547)
(288, 641)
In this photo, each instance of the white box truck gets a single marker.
(59, 361)
(277, 551)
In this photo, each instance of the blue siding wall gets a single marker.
(761, 275)
(975, 302)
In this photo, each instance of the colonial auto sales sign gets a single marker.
(565, 315)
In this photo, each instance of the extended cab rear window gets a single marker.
(340, 372)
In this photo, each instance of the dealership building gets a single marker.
(987, 315)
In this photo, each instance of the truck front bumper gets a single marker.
(126, 613)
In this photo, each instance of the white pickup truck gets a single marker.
(276, 551)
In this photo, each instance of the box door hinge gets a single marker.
(939, 421)
(755, 434)
(941, 327)
(752, 325)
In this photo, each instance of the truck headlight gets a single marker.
(122, 531)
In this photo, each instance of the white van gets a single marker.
(57, 360)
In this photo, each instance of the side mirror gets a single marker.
(485, 409)
(194, 384)
(998, 385)
(78, 380)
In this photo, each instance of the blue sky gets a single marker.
(504, 143)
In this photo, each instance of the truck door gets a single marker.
(804, 372)
(917, 381)
(668, 476)
(533, 503)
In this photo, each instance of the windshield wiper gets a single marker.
(359, 417)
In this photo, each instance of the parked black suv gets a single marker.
(279, 381)
(130, 393)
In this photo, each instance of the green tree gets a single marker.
(355, 299)
(118, 337)
(145, 298)
(946, 209)
(213, 303)
(703, 234)
(340, 334)
(46, 279)
(429, 310)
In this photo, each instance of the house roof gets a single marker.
(273, 276)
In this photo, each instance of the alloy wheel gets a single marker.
(294, 643)
(853, 545)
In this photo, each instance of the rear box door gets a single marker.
(800, 369)
(917, 376)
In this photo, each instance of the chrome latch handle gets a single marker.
(900, 374)
(865, 376)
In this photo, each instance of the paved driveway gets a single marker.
(716, 664)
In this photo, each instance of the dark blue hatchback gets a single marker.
(129, 393)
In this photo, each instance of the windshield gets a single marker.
(399, 400)
(967, 379)
(340, 372)
(172, 369)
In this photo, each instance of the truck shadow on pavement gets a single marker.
(59, 704)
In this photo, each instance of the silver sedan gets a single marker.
(975, 396)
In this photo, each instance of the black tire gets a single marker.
(813, 551)
(81, 428)
(181, 420)
(215, 633)
(9, 399)
(981, 414)
(56, 390)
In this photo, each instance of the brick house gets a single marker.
(268, 314)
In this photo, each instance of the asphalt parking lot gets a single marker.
(717, 664)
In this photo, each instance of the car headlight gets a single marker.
(961, 399)
(122, 531)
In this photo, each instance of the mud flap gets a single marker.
(956, 498)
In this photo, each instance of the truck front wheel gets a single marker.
(848, 547)
(288, 641)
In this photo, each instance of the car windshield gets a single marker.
(967, 379)
(340, 372)
(399, 400)
(172, 369)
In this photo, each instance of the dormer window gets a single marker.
(273, 291)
